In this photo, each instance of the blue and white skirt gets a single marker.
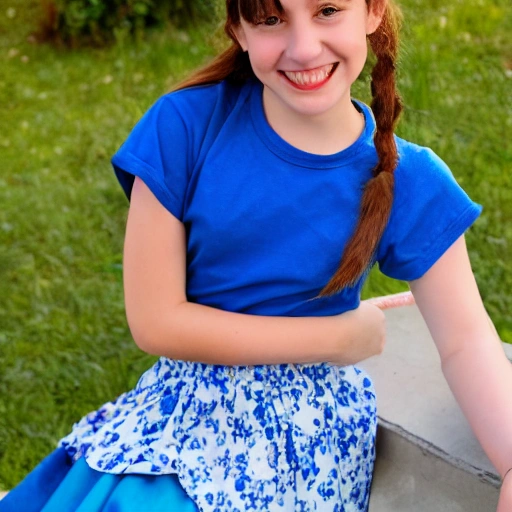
(279, 438)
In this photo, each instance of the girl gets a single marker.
(247, 185)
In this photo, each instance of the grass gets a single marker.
(64, 344)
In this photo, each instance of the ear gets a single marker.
(239, 33)
(376, 11)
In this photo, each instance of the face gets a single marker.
(307, 53)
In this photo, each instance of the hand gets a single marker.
(505, 503)
(366, 336)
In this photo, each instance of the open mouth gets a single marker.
(310, 79)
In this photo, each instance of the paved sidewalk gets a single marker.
(428, 458)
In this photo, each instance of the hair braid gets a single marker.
(377, 198)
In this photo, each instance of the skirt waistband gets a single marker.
(281, 375)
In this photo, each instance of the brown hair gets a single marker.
(233, 64)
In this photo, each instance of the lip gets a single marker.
(309, 87)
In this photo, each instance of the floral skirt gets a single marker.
(281, 438)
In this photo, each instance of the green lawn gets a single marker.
(64, 344)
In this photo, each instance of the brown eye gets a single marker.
(329, 11)
(272, 21)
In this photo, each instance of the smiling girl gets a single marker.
(261, 195)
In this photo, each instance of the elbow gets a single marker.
(448, 356)
(161, 329)
(477, 350)
(144, 337)
(151, 336)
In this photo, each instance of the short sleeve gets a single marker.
(157, 152)
(430, 211)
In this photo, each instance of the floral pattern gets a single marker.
(269, 438)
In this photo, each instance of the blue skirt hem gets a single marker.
(59, 485)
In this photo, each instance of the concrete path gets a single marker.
(428, 458)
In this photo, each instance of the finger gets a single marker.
(393, 301)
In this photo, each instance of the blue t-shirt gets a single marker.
(266, 223)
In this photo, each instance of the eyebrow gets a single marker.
(334, 1)
(339, 2)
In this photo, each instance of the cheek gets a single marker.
(264, 54)
(354, 47)
(360, 51)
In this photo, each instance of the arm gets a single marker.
(472, 358)
(163, 323)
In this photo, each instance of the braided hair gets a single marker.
(378, 193)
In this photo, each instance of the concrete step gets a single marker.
(427, 457)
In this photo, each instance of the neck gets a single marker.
(326, 133)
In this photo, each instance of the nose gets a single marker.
(304, 43)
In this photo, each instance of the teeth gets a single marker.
(309, 77)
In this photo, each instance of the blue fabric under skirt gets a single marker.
(58, 485)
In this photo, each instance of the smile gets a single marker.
(310, 79)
